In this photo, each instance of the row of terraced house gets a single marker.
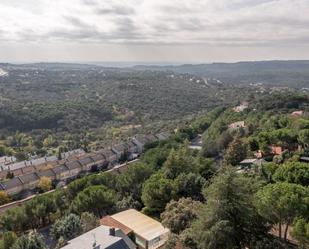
(61, 171)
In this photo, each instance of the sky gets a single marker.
(165, 31)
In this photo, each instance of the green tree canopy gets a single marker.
(178, 215)
(293, 172)
(68, 227)
(97, 199)
(229, 218)
(31, 241)
(157, 191)
(282, 202)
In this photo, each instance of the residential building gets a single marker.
(30, 181)
(119, 150)
(100, 161)
(249, 163)
(237, 125)
(148, 233)
(102, 237)
(87, 163)
(276, 150)
(75, 168)
(297, 113)
(13, 186)
(62, 172)
(47, 173)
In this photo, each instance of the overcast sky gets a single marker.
(153, 30)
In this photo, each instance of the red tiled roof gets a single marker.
(111, 222)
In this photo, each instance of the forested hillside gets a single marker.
(208, 198)
(78, 105)
(270, 73)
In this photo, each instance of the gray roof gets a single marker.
(107, 153)
(98, 157)
(73, 164)
(162, 135)
(12, 183)
(101, 237)
(249, 161)
(304, 158)
(61, 168)
(140, 138)
(119, 147)
(72, 153)
(29, 177)
(47, 173)
(85, 160)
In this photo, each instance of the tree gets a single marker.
(303, 137)
(281, 203)
(157, 191)
(178, 215)
(31, 241)
(293, 172)
(96, 199)
(131, 181)
(45, 184)
(190, 185)
(179, 161)
(49, 141)
(236, 152)
(9, 238)
(89, 221)
(229, 218)
(301, 231)
(21, 156)
(68, 227)
(128, 202)
(4, 198)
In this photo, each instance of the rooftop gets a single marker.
(100, 236)
(111, 222)
(141, 224)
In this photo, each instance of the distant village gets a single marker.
(18, 177)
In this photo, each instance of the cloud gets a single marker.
(220, 22)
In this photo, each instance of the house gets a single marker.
(148, 233)
(276, 150)
(259, 154)
(30, 181)
(304, 159)
(111, 222)
(75, 168)
(241, 107)
(196, 143)
(87, 163)
(17, 172)
(73, 153)
(13, 186)
(62, 172)
(132, 147)
(162, 136)
(28, 169)
(151, 138)
(237, 125)
(249, 163)
(297, 113)
(140, 142)
(47, 173)
(100, 161)
(119, 150)
(102, 237)
(110, 156)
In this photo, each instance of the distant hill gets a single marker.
(271, 73)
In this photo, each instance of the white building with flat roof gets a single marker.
(148, 233)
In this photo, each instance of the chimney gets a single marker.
(112, 231)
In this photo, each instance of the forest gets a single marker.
(204, 197)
